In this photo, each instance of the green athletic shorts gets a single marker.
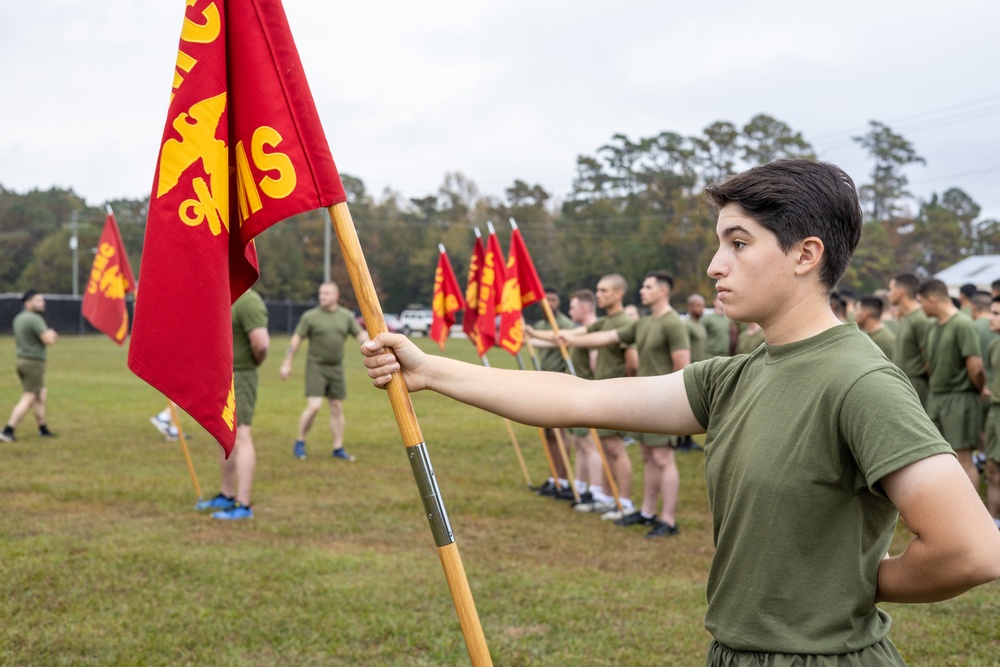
(326, 380)
(992, 440)
(245, 383)
(958, 418)
(882, 653)
(605, 433)
(32, 374)
(579, 431)
(656, 439)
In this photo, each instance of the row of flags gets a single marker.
(494, 288)
(243, 149)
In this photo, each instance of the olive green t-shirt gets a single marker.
(249, 313)
(699, 339)
(911, 343)
(327, 331)
(28, 329)
(655, 339)
(948, 346)
(717, 326)
(993, 354)
(885, 341)
(986, 337)
(748, 342)
(610, 358)
(797, 438)
(550, 358)
(580, 356)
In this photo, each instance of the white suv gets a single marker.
(415, 322)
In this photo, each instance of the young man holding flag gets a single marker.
(815, 442)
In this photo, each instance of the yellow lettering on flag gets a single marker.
(284, 184)
(206, 32)
(246, 190)
(229, 410)
(515, 338)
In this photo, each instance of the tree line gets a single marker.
(635, 205)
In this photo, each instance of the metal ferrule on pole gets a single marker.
(430, 495)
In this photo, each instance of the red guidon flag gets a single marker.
(490, 286)
(447, 299)
(470, 317)
(529, 284)
(242, 149)
(110, 280)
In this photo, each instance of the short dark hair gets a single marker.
(995, 284)
(28, 295)
(584, 295)
(873, 304)
(661, 277)
(795, 199)
(933, 287)
(967, 290)
(552, 290)
(981, 300)
(908, 282)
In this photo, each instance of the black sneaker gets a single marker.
(45, 432)
(564, 493)
(662, 528)
(586, 498)
(7, 436)
(547, 489)
(636, 519)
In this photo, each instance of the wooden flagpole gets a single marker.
(550, 316)
(184, 447)
(416, 449)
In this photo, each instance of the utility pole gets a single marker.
(74, 242)
(327, 238)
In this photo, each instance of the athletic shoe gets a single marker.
(635, 519)
(342, 454)
(547, 489)
(979, 460)
(219, 502)
(300, 449)
(564, 493)
(587, 499)
(663, 528)
(7, 437)
(604, 508)
(162, 425)
(237, 512)
(618, 515)
(44, 432)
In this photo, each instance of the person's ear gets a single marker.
(809, 255)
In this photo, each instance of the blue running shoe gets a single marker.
(219, 502)
(300, 449)
(237, 512)
(342, 454)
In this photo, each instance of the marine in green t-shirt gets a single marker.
(909, 352)
(956, 374)
(32, 335)
(868, 317)
(327, 329)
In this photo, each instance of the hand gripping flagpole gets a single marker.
(416, 449)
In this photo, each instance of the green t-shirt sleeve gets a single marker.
(698, 382)
(38, 325)
(627, 333)
(678, 337)
(302, 328)
(968, 342)
(253, 315)
(885, 426)
(354, 326)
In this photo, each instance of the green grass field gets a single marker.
(104, 562)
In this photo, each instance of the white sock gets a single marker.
(627, 504)
(580, 485)
(563, 483)
(647, 517)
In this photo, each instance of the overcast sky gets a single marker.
(509, 90)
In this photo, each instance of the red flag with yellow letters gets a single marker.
(530, 285)
(470, 317)
(110, 280)
(490, 286)
(242, 149)
(447, 300)
(511, 334)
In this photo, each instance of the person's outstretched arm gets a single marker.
(956, 545)
(649, 404)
